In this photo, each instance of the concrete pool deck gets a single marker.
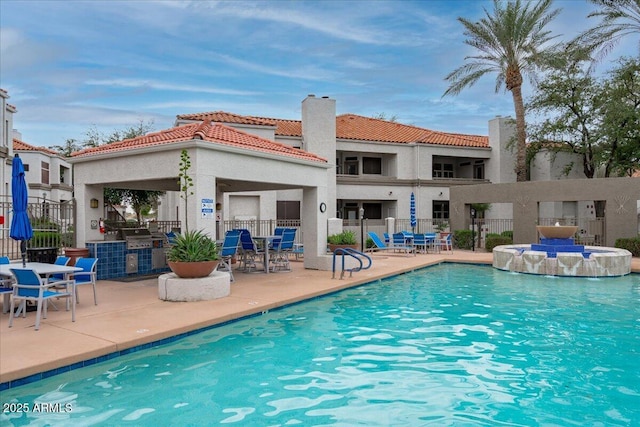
(130, 314)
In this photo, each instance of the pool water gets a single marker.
(452, 345)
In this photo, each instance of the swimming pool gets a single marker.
(446, 345)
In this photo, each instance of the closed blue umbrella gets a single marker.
(412, 212)
(20, 225)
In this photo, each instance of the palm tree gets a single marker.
(619, 18)
(510, 41)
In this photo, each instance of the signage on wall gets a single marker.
(206, 208)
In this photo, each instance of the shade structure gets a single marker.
(20, 225)
(412, 211)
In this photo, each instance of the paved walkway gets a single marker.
(130, 314)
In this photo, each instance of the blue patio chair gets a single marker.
(250, 253)
(88, 275)
(280, 257)
(228, 251)
(419, 242)
(445, 243)
(387, 239)
(6, 286)
(29, 286)
(400, 243)
(60, 260)
(432, 241)
(273, 244)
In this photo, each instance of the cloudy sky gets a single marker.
(69, 66)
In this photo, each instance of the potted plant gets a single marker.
(346, 239)
(442, 228)
(193, 253)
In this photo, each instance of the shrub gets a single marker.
(45, 239)
(507, 233)
(462, 239)
(632, 244)
(369, 243)
(347, 237)
(496, 240)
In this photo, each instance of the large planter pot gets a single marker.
(190, 270)
(334, 247)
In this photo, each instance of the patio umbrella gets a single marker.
(412, 212)
(20, 225)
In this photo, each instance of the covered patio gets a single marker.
(223, 160)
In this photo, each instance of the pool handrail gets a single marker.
(354, 253)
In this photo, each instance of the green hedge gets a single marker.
(45, 239)
(631, 244)
(462, 239)
(496, 240)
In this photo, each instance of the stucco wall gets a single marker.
(621, 196)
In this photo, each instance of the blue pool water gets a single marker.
(449, 345)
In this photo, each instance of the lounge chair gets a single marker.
(379, 245)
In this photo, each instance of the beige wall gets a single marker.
(621, 196)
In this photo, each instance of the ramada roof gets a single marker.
(23, 146)
(352, 127)
(215, 133)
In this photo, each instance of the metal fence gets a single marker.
(52, 223)
(260, 228)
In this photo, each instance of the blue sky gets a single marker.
(72, 65)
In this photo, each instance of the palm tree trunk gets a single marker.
(521, 135)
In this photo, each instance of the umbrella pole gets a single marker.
(23, 250)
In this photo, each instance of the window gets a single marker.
(351, 166)
(372, 165)
(288, 209)
(45, 172)
(372, 210)
(441, 209)
(443, 170)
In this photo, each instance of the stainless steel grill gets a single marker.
(136, 238)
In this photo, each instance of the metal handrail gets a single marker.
(354, 253)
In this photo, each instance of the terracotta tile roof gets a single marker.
(224, 117)
(354, 127)
(23, 146)
(215, 133)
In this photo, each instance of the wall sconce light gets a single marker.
(93, 203)
(441, 194)
(390, 193)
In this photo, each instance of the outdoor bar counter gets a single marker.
(116, 260)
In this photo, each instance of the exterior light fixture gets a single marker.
(93, 203)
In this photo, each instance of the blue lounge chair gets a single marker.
(379, 245)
